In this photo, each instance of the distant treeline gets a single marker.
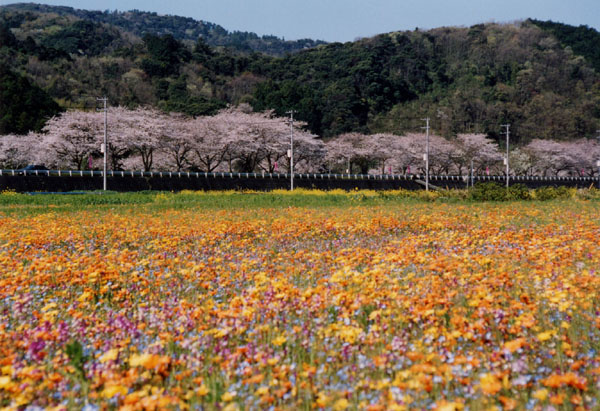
(541, 77)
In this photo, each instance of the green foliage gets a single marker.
(23, 106)
(465, 79)
(166, 54)
(337, 88)
(193, 106)
(81, 37)
(492, 191)
(591, 193)
(77, 358)
(7, 38)
(11, 202)
(487, 192)
(28, 46)
(175, 97)
(584, 40)
(552, 193)
(182, 28)
(518, 192)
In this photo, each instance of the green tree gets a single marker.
(23, 106)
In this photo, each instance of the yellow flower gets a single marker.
(349, 333)
(341, 404)
(202, 390)
(113, 390)
(540, 394)
(84, 297)
(110, 355)
(48, 307)
(231, 407)
(450, 406)
(148, 361)
(279, 341)
(261, 391)
(322, 400)
(136, 359)
(228, 396)
(4, 382)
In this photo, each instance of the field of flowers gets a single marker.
(390, 306)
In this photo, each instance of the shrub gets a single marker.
(591, 193)
(489, 191)
(492, 191)
(551, 193)
(518, 192)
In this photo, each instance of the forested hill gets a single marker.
(182, 28)
(583, 40)
(541, 77)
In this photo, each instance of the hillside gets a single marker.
(182, 28)
(23, 106)
(583, 40)
(531, 75)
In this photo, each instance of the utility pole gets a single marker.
(472, 175)
(507, 137)
(104, 147)
(291, 150)
(426, 156)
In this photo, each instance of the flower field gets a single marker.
(391, 306)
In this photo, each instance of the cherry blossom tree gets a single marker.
(17, 151)
(347, 150)
(238, 138)
(405, 159)
(440, 153)
(74, 136)
(564, 157)
(522, 161)
(399, 152)
(384, 147)
(175, 141)
(309, 152)
(477, 148)
(140, 130)
(252, 141)
(208, 144)
(550, 157)
(587, 153)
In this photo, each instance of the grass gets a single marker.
(213, 199)
(11, 201)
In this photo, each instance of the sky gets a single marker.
(348, 20)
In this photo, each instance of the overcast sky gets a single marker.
(346, 20)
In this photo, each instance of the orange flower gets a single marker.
(508, 403)
(514, 345)
(490, 384)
